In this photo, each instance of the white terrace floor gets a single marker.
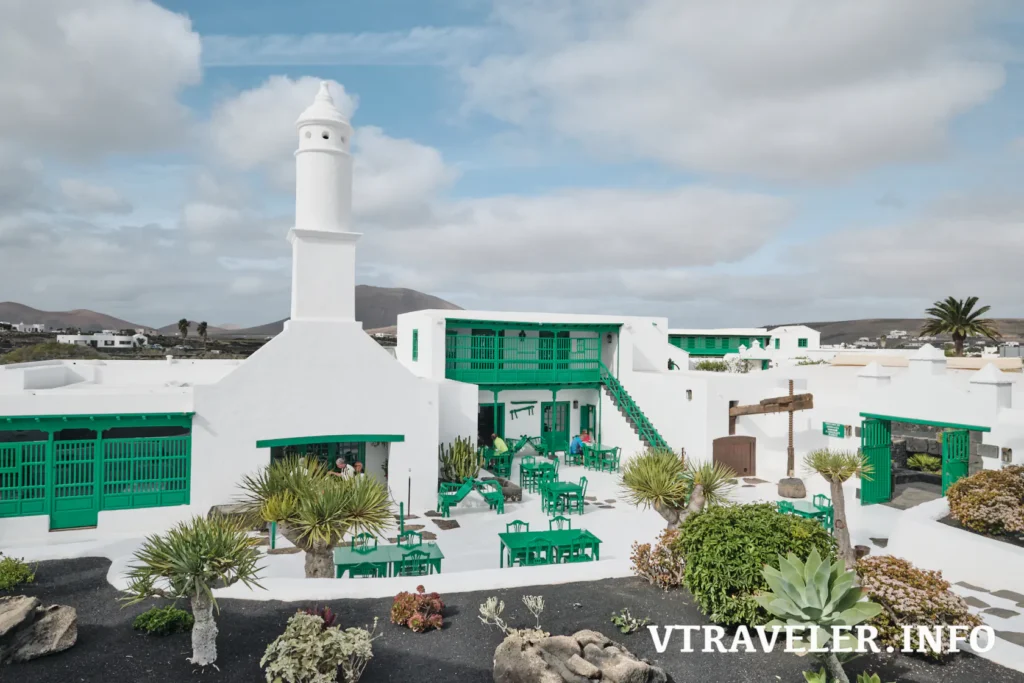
(990, 570)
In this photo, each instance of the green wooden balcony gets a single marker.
(497, 359)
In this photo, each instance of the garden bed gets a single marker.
(902, 475)
(1018, 541)
(108, 649)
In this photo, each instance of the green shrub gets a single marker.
(924, 462)
(49, 351)
(990, 502)
(658, 563)
(711, 366)
(163, 621)
(307, 652)
(910, 597)
(14, 572)
(726, 549)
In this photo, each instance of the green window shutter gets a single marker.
(745, 341)
(691, 342)
(802, 343)
(776, 342)
(415, 345)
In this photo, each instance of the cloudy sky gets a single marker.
(737, 162)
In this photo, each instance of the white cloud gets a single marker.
(420, 46)
(789, 89)
(84, 78)
(85, 198)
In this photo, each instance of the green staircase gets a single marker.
(631, 411)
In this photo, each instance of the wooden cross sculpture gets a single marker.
(782, 404)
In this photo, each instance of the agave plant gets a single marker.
(187, 563)
(816, 595)
(314, 509)
(660, 479)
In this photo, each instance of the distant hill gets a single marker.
(376, 307)
(211, 331)
(838, 331)
(83, 319)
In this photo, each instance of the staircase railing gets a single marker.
(645, 429)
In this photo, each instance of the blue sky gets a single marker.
(737, 163)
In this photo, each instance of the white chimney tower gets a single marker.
(323, 248)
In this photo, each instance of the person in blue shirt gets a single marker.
(576, 445)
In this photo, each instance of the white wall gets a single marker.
(789, 337)
(457, 407)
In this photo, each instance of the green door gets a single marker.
(956, 451)
(75, 501)
(588, 419)
(876, 445)
(555, 425)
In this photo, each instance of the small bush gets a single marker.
(726, 549)
(659, 564)
(990, 502)
(923, 462)
(163, 621)
(711, 366)
(419, 611)
(309, 652)
(326, 615)
(910, 597)
(14, 572)
(627, 623)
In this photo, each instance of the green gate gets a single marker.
(75, 503)
(876, 445)
(23, 478)
(956, 452)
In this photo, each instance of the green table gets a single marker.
(597, 458)
(557, 489)
(534, 470)
(387, 556)
(555, 539)
(804, 508)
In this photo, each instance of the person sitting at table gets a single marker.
(576, 445)
(499, 444)
(585, 437)
(357, 469)
(344, 471)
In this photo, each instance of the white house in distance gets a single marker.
(794, 340)
(107, 340)
(132, 446)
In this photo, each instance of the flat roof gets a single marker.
(722, 332)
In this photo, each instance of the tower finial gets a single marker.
(325, 93)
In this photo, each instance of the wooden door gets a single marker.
(736, 452)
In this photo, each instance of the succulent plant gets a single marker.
(816, 594)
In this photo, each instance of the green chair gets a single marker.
(502, 465)
(526, 477)
(559, 523)
(574, 501)
(517, 527)
(547, 501)
(786, 507)
(414, 563)
(361, 543)
(451, 494)
(821, 501)
(367, 570)
(824, 503)
(491, 492)
(537, 553)
(574, 552)
(410, 539)
(610, 461)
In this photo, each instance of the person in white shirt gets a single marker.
(344, 471)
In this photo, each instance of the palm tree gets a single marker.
(183, 327)
(837, 467)
(188, 562)
(315, 509)
(957, 318)
(201, 331)
(660, 479)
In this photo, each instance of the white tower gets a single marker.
(323, 249)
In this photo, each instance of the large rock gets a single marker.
(583, 657)
(28, 631)
(791, 487)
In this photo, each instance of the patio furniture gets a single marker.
(452, 494)
(501, 464)
(516, 527)
(574, 495)
(385, 559)
(575, 458)
(559, 523)
(824, 503)
(361, 542)
(368, 570)
(530, 473)
(491, 492)
(414, 563)
(785, 507)
(610, 459)
(544, 484)
(568, 543)
(801, 508)
(410, 539)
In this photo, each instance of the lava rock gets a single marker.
(526, 657)
(29, 631)
(791, 487)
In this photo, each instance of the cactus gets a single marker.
(459, 460)
(817, 595)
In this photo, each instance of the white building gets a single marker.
(28, 327)
(105, 341)
(320, 386)
(793, 340)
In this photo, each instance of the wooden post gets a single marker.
(790, 455)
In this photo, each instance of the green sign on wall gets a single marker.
(833, 429)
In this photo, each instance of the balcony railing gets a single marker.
(491, 359)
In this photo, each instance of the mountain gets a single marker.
(376, 307)
(83, 319)
(848, 331)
